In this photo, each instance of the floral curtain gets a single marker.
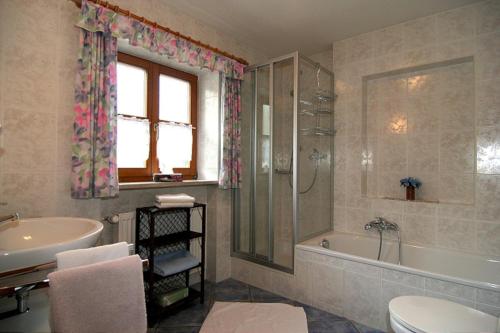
(97, 18)
(94, 170)
(230, 176)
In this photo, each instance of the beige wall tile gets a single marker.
(488, 17)
(488, 150)
(456, 188)
(419, 229)
(360, 48)
(490, 309)
(456, 234)
(456, 152)
(361, 297)
(403, 278)
(488, 56)
(488, 102)
(419, 33)
(386, 41)
(488, 297)
(327, 286)
(456, 24)
(487, 194)
(488, 235)
(451, 289)
(423, 154)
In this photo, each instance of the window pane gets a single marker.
(175, 100)
(174, 148)
(132, 90)
(133, 143)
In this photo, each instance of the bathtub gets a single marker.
(347, 279)
(472, 270)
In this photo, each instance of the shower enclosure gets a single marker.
(287, 159)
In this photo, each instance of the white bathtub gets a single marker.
(473, 270)
(348, 280)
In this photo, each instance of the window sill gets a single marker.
(152, 185)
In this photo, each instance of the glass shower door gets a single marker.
(282, 163)
(286, 153)
(262, 153)
(315, 147)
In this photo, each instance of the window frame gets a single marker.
(154, 70)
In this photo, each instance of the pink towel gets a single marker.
(104, 297)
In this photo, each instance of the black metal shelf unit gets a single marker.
(160, 231)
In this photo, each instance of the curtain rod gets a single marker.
(125, 12)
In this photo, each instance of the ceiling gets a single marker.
(309, 26)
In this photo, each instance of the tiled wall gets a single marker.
(420, 123)
(471, 31)
(37, 74)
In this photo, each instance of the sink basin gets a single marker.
(35, 241)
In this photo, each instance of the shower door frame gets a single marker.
(251, 255)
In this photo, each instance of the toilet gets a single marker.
(419, 314)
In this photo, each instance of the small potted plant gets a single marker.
(410, 184)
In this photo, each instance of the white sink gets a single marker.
(31, 242)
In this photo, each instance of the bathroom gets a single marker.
(338, 104)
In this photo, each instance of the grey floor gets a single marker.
(190, 319)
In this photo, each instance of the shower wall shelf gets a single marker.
(325, 98)
(317, 131)
(318, 112)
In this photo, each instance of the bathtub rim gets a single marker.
(387, 265)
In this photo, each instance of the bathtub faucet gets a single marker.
(380, 224)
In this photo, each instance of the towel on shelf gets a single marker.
(74, 258)
(175, 198)
(103, 297)
(241, 317)
(174, 262)
(171, 205)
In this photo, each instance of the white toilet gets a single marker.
(418, 314)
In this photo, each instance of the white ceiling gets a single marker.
(310, 26)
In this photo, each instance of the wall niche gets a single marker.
(420, 122)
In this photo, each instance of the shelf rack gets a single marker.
(161, 231)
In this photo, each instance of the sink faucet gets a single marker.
(380, 224)
(14, 216)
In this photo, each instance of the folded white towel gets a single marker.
(174, 198)
(171, 205)
(74, 258)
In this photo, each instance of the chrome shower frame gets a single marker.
(252, 256)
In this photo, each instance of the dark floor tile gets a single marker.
(314, 314)
(190, 319)
(194, 315)
(184, 329)
(230, 283)
(231, 291)
(365, 329)
(263, 296)
(326, 326)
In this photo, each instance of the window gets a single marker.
(157, 108)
